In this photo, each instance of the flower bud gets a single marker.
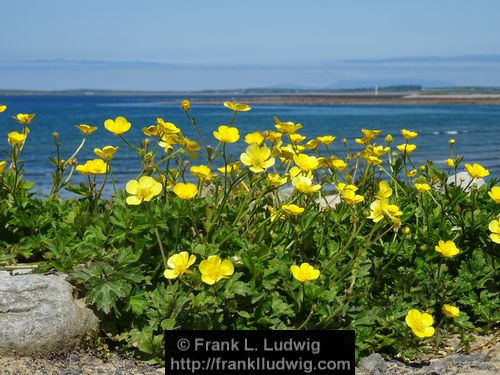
(149, 158)
(55, 135)
(407, 231)
(72, 162)
(452, 141)
(344, 141)
(186, 163)
(388, 138)
(185, 105)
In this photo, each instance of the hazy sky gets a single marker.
(259, 32)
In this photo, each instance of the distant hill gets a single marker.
(371, 83)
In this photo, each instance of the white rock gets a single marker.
(38, 314)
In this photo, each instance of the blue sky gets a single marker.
(255, 39)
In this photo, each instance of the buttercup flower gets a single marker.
(476, 171)
(408, 134)
(422, 188)
(106, 152)
(305, 272)
(450, 163)
(276, 180)
(292, 209)
(16, 139)
(186, 105)
(388, 138)
(373, 160)
(179, 264)
(255, 138)
(286, 127)
(258, 159)
(450, 311)
(3, 163)
(117, 126)
(447, 249)
(350, 197)
(342, 186)
(494, 227)
(420, 323)
(96, 166)
(24, 118)
(407, 148)
(411, 173)
(227, 134)
(86, 129)
(152, 131)
(306, 163)
(452, 141)
(297, 138)
(166, 127)
(494, 193)
(305, 185)
(215, 269)
(337, 164)
(143, 190)
(384, 190)
(201, 171)
(326, 140)
(3, 108)
(185, 191)
(230, 168)
(377, 150)
(237, 107)
(381, 207)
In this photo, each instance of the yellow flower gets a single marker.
(237, 107)
(189, 145)
(286, 152)
(167, 140)
(201, 171)
(420, 323)
(230, 168)
(186, 105)
(378, 150)
(450, 311)
(286, 127)
(16, 139)
(273, 136)
(384, 190)
(494, 193)
(373, 160)
(276, 180)
(143, 190)
(422, 188)
(117, 126)
(152, 131)
(167, 127)
(96, 166)
(297, 138)
(3, 108)
(447, 249)
(255, 138)
(450, 163)
(408, 134)
(371, 133)
(305, 185)
(388, 138)
(326, 140)
(306, 163)
(106, 152)
(411, 173)
(337, 164)
(476, 171)
(86, 129)
(381, 207)
(494, 228)
(258, 159)
(227, 134)
(215, 269)
(407, 148)
(350, 197)
(292, 209)
(179, 264)
(24, 118)
(305, 272)
(185, 191)
(451, 141)
(296, 171)
(3, 163)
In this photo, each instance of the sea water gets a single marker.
(476, 128)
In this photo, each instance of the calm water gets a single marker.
(475, 128)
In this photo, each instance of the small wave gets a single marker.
(451, 132)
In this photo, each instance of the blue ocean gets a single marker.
(476, 128)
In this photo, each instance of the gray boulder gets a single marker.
(463, 180)
(38, 314)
